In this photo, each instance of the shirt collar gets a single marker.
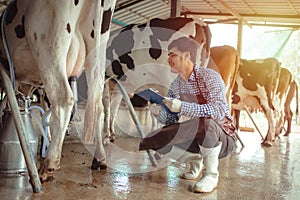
(192, 76)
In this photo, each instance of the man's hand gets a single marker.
(174, 105)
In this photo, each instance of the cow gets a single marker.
(225, 59)
(137, 56)
(293, 91)
(255, 87)
(50, 41)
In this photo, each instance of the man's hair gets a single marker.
(184, 44)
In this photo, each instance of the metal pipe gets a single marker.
(73, 85)
(29, 158)
(135, 119)
(118, 22)
(43, 125)
(6, 47)
(249, 114)
(239, 139)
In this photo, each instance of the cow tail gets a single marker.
(207, 44)
(297, 103)
(236, 71)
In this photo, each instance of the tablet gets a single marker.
(153, 97)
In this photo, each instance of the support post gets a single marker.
(240, 37)
(175, 8)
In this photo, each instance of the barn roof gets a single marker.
(251, 12)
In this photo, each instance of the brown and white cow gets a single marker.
(50, 41)
(292, 92)
(255, 87)
(225, 59)
(137, 55)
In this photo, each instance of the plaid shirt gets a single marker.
(213, 90)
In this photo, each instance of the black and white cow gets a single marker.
(51, 41)
(255, 87)
(137, 55)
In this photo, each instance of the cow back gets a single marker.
(259, 74)
(137, 54)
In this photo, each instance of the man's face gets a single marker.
(175, 60)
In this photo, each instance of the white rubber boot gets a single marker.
(209, 180)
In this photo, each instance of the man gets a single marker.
(200, 94)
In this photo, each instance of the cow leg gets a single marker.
(236, 117)
(270, 137)
(62, 105)
(109, 136)
(99, 160)
(95, 65)
(288, 118)
(53, 74)
(115, 105)
(94, 114)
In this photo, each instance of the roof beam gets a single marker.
(235, 14)
(293, 26)
(293, 7)
(242, 15)
(127, 5)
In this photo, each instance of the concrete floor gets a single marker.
(252, 172)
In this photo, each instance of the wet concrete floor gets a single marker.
(252, 172)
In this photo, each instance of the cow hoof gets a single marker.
(286, 135)
(112, 137)
(98, 165)
(109, 139)
(46, 175)
(106, 141)
(266, 144)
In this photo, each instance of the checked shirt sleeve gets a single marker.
(213, 90)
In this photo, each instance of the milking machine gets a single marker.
(18, 141)
(74, 118)
(17, 137)
(12, 160)
(73, 85)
